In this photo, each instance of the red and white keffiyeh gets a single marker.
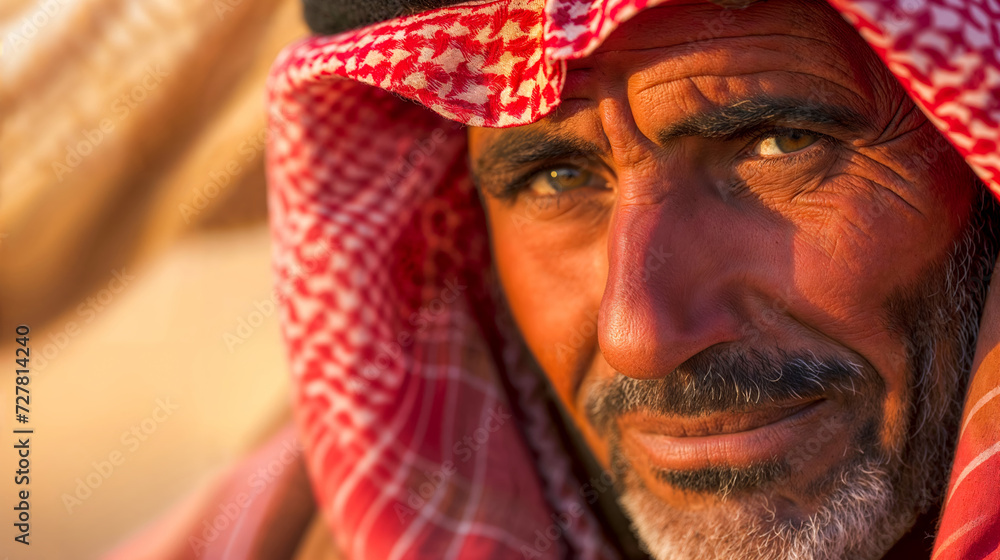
(426, 434)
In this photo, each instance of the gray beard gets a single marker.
(869, 501)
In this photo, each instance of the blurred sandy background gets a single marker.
(134, 243)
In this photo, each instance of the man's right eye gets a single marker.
(786, 142)
(554, 181)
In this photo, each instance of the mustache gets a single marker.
(731, 380)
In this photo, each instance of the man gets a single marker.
(781, 332)
(772, 369)
(746, 264)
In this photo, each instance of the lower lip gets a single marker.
(762, 444)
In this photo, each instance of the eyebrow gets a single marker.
(746, 117)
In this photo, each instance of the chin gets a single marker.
(859, 519)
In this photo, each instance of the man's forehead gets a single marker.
(698, 26)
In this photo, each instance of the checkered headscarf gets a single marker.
(427, 433)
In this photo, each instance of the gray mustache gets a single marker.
(731, 380)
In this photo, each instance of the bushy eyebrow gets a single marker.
(749, 116)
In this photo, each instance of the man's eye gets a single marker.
(785, 143)
(556, 180)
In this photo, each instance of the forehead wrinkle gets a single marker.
(845, 95)
(597, 77)
(725, 61)
(811, 36)
(694, 45)
(675, 23)
(640, 90)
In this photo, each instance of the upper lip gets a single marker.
(716, 423)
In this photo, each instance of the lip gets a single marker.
(722, 439)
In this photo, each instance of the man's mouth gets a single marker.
(723, 439)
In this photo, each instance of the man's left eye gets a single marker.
(785, 143)
(556, 180)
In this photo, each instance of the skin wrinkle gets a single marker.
(801, 320)
(875, 187)
(694, 46)
(881, 186)
(892, 131)
(700, 42)
(884, 186)
(832, 213)
(707, 76)
(628, 147)
(797, 264)
(679, 61)
(750, 73)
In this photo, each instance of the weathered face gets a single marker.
(731, 250)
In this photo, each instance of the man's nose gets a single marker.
(672, 285)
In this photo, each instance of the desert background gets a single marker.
(134, 244)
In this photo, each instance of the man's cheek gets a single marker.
(843, 302)
(574, 342)
(564, 342)
(853, 245)
(549, 279)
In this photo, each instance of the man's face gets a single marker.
(733, 251)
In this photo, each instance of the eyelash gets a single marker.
(793, 158)
(512, 189)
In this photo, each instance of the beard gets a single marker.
(869, 500)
